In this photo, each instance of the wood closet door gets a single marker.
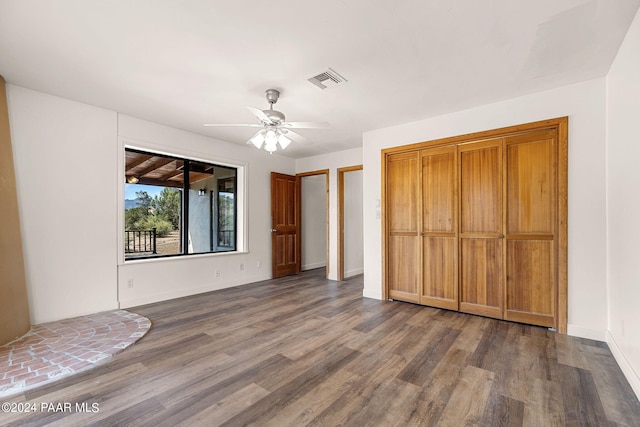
(439, 228)
(481, 238)
(403, 266)
(531, 286)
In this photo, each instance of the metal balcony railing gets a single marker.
(143, 241)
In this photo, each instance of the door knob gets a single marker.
(501, 236)
(273, 230)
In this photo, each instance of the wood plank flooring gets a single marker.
(302, 350)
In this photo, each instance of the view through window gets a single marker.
(176, 206)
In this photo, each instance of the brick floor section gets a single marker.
(55, 350)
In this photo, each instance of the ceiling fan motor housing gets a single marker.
(276, 117)
(273, 115)
(272, 95)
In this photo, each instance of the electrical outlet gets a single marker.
(241, 267)
(217, 273)
(259, 264)
(130, 283)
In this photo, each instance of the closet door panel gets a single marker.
(531, 287)
(530, 282)
(481, 242)
(530, 179)
(403, 257)
(402, 193)
(404, 266)
(481, 277)
(481, 187)
(439, 228)
(439, 190)
(439, 277)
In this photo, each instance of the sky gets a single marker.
(130, 190)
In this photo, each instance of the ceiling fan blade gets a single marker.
(295, 136)
(253, 125)
(306, 125)
(259, 114)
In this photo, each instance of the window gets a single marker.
(176, 206)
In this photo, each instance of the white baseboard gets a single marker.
(627, 369)
(582, 332)
(165, 296)
(353, 272)
(314, 265)
(368, 294)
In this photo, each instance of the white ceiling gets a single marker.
(185, 63)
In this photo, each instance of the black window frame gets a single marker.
(184, 208)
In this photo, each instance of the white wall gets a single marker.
(353, 238)
(314, 221)
(200, 216)
(69, 161)
(65, 155)
(623, 205)
(584, 103)
(331, 161)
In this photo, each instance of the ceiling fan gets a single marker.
(275, 130)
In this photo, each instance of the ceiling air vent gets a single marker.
(327, 79)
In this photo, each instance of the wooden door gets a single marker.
(439, 228)
(530, 193)
(508, 206)
(284, 225)
(402, 191)
(481, 222)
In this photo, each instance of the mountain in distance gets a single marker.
(131, 203)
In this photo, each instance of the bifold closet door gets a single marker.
(531, 286)
(478, 223)
(403, 205)
(439, 228)
(481, 239)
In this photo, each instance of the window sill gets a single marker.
(168, 258)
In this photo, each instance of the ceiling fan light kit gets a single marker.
(283, 141)
(275, 128)
(271, 139)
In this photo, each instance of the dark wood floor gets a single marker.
(303, 350)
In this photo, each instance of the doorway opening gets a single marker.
(350, 228)
(314, 220)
